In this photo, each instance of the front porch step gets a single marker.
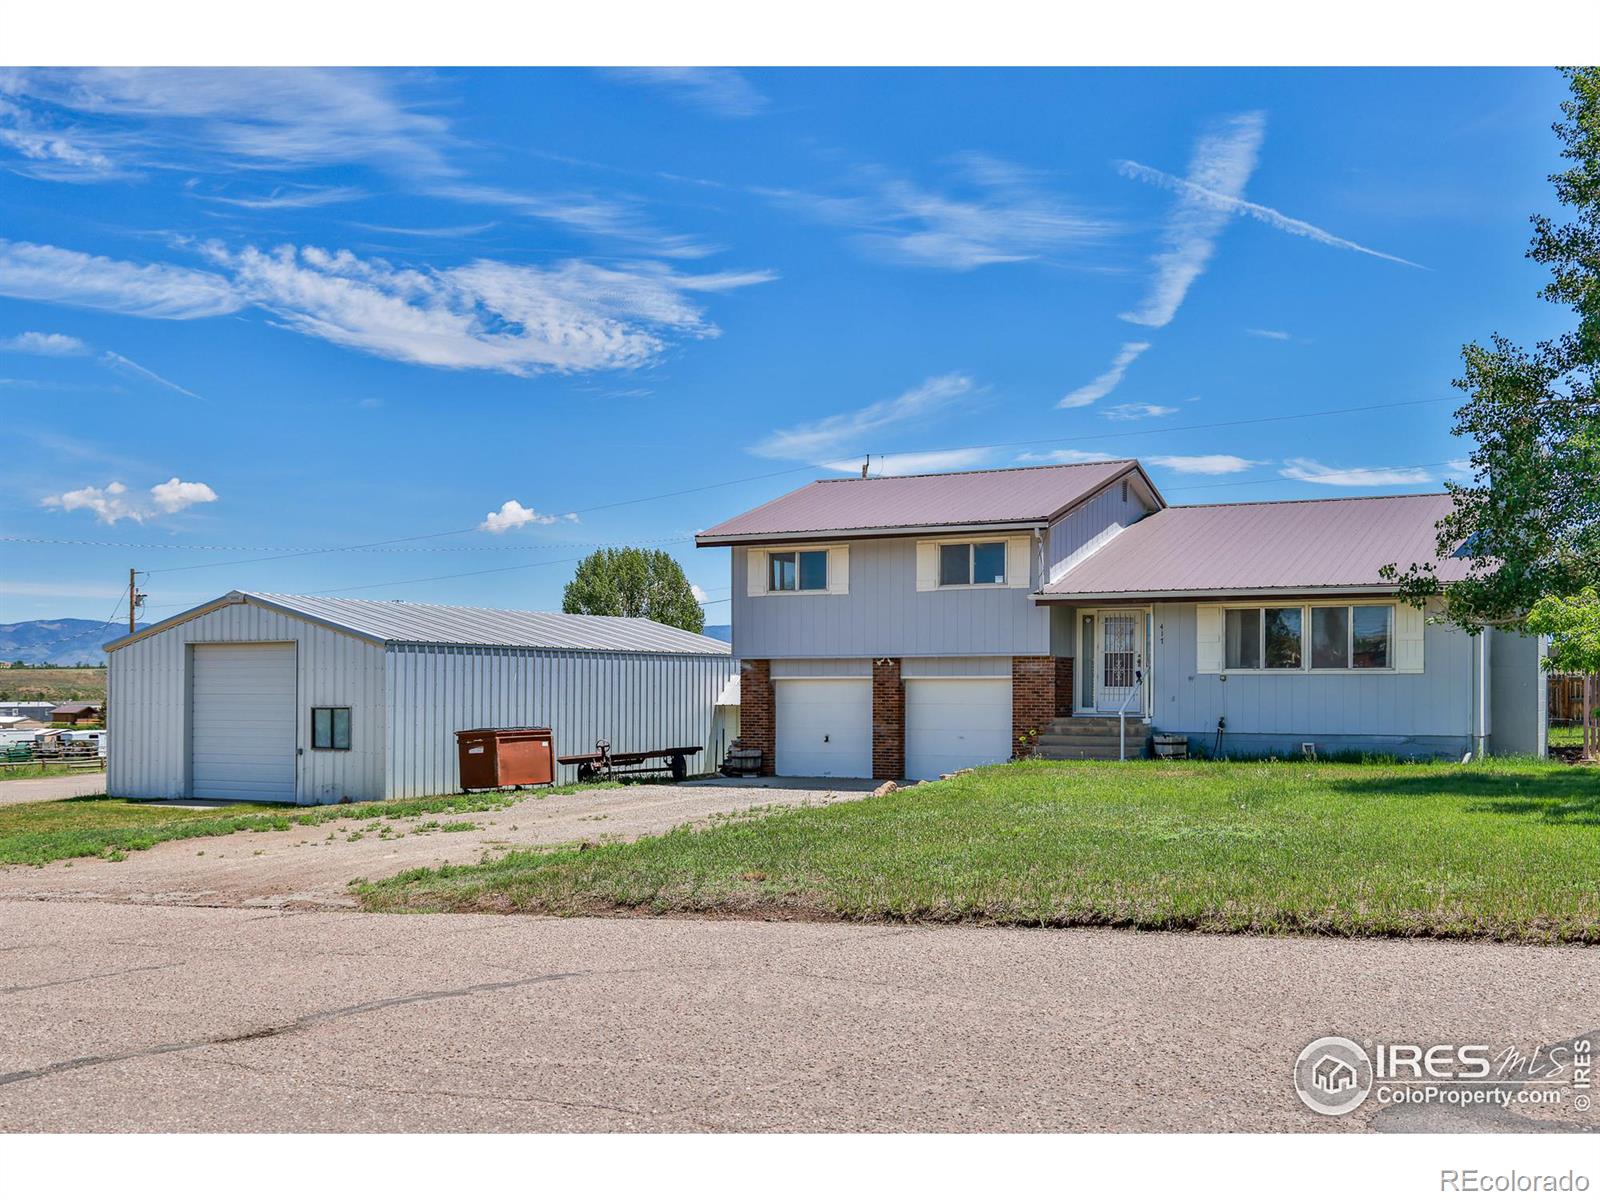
(1093, 738)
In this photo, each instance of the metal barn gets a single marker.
(314, 701)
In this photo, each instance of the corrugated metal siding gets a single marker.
(149, 685)
(1436, 703)
(1518, 701)
(637, 701)
(1091, 525)
(885, 615)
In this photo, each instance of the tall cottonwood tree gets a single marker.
(1530, 520)
(629, 582)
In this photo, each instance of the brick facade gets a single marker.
(757, 711)
(1033, 699)
(1063, 687)
(888, 720)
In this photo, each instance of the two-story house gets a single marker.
(910, 626)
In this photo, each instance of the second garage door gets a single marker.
(242, 724)
(956, 723)
(824, 727)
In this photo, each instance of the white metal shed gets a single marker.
(314, 700)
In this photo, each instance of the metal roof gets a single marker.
(400, 621)
(1268, 546)
(1010, 496)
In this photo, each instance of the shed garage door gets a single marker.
(242, 724)
(824, 727)
(956, 723)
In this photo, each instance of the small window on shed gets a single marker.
(330, 729)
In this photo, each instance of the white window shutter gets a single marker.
(1019, 571)
(927, 566)
(838, 570)
(1208, 639)
(1409, 625)
(755, 561)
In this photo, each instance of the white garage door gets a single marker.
(956, 723)
(243, 722)
(824, 727)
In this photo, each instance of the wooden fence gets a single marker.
(1575, 701)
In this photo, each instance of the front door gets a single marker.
(1117, 661)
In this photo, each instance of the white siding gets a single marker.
(637, 701)
(149, 685)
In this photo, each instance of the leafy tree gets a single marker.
(1573, 624)
(1530, 520)
(628, 582)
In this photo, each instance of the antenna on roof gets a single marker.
(867, 462)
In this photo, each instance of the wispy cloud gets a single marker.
(1138, 412)
(719, 90)
(1221, 163)
(1308, 470)
(115, 502)
(514, 515)
(1064, 456)
(272, 117)
(1276, 335)
(1103, 384)
(846, 433)
(991, 212)
(1226, 200)
(290, 197)
(38, 272)
(128, 366)
(217, 122)
(487, 315)
(47, 345)
(522, 320)
(915, 463)
(1202, 464)
(61, 345)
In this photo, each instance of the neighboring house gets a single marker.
(77, 714)
(315, 700)
(34, 710)
(909, 626)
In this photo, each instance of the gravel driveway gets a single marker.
(311, 866)
(52, 787)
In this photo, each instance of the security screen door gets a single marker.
(1118, 661)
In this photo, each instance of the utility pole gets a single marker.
(135, 597)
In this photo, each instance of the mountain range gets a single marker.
(65, 642)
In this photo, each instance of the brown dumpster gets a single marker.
(502, 758)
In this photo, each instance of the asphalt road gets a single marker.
(120, 1017)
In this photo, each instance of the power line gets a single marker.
(1192, 487)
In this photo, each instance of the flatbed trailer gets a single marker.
(603, 764)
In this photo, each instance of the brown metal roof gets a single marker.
(1014, 495)
(1275, 545)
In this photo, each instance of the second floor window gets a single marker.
(798, 571)
(965, 563)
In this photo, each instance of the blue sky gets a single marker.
(287, 311)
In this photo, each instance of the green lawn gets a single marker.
(94, 825)
(41, 770)
(1500, 849)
